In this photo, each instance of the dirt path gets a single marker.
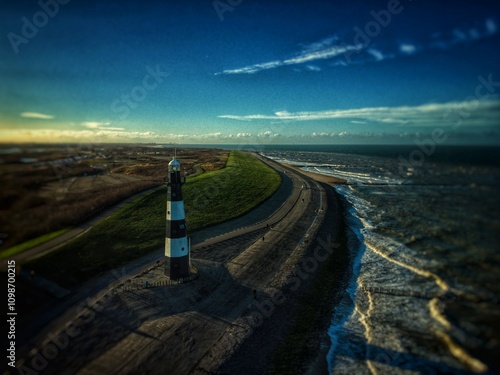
(185, 329)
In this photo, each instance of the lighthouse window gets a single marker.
(182, 226)
(168, 212)
(182, 249)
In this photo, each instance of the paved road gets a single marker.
(151, 329)
(270, 212)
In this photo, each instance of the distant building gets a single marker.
(177, 258)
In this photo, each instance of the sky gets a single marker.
(254, 72)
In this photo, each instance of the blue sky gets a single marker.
(240, 71)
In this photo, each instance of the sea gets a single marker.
(423, 231)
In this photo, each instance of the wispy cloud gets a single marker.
(322, 54)
(473, 112)
(449, 39)
(379, 56)
(36, 115)
(408, 48)
(100, 126)
(491, 26)
(343, 54)
(313, 68)
(322, 50)
(94, 124)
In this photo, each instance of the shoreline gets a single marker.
(331, 180)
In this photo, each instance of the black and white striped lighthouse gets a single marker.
(177, 260)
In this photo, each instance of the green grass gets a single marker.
(7, 253)
(230, 192)
(139, 227)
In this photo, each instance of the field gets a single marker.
(139, 227)
(48, 188)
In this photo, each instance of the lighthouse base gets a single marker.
(177, 268)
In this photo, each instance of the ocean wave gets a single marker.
(384, 265)
(355, 177)
(424, 292)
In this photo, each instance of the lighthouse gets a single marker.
(177, 261)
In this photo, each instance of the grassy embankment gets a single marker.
(139, 227)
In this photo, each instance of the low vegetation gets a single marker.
(51, 187)
(139, 227)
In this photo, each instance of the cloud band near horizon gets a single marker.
(469, 112)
